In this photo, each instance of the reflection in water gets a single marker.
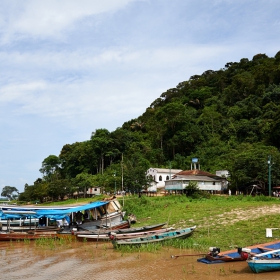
(81, 260)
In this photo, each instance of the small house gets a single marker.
(158, 176)
(205, 181)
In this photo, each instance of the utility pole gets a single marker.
(269, 175)
(115, 184)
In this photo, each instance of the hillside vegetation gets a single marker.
(229, 119)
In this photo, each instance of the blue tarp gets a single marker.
(55, 214)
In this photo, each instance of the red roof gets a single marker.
(196, 172)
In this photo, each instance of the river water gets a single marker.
(82, 260)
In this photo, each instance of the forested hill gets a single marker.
(229, 119)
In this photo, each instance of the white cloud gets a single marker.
(49, 18)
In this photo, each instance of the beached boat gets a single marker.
(10, 236)
(107, 221)
(122, 230)
(107, 237)
(99, 214)
(240, 254)
(179, 233)
(265, 262)
(214, 255)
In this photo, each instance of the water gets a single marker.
(81, 260)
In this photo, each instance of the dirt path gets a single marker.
(236, 215)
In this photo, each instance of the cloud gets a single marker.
(49, 18)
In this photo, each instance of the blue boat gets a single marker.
(235, 255)
(179, 233)
(265, 262)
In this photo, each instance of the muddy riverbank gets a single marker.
(80, 260)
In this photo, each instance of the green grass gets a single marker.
(217, 220)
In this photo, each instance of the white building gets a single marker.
(158, 176)
(205, 181)
(93, 191)
(223, 173)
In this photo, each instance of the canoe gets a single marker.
(265, 262)
(180, 233)
(122, 230)
(106, 237)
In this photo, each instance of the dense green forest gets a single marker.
(229, 119)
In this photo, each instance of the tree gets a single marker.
(101, 143)
(248, 164)
(84, 181)
(50, 165)
(10, 192)
(192, 188)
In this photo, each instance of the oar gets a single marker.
(186, 255)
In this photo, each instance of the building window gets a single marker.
(214, 183)
(160, 178)
(167, 177)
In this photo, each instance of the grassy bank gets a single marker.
(222, 221)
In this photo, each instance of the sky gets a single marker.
(71, 67)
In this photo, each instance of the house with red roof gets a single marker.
(205, 181)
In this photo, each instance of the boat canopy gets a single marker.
(56, 214)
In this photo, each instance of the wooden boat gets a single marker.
(265, 262)
(214, 255)
(106, 237)
(180, 233)
(108, 216)
(99, 214)
(10, 236)
(237, 255)
(122, 230)
(44, 230)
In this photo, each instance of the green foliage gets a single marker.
(192, 189)
(228, 118)
(50, 165)
(10, 192)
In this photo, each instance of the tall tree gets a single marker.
(10, 192)
(50, 166)
(101, 143)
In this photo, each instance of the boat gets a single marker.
(107, 237)
(154, 238)
(107, 221)
(105, 214)
(122, 230)
(215, 256)
(14, 236)
(265, 262)
(240, 254)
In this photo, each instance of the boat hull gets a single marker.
(112, 221)
(106, 237)
(258, 266)
(233, 255)
(183, 233)
(23, 236)
(122, 229)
